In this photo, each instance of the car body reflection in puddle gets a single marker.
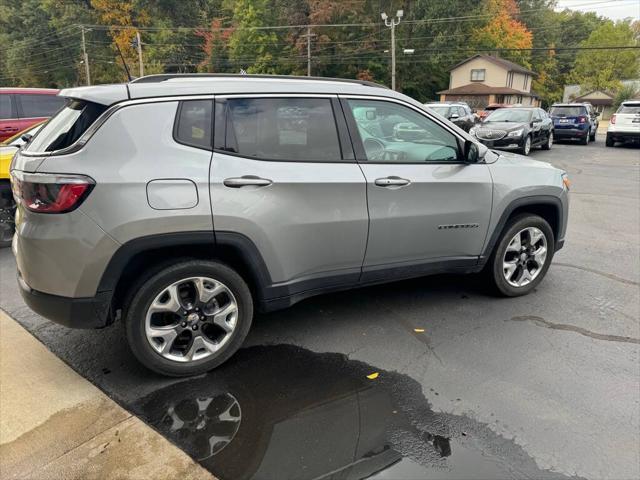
(280, 412)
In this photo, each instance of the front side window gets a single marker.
(286, 129)
(393, 133)
(34, 106)
(193, 123)
(66, 126)
(477, 75)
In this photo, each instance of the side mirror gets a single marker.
(26, 138)
(471, 152)
(454, 116)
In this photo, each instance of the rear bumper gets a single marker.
(624, 136)
(91, 312)
(560, 133)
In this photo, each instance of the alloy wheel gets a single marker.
(525, 257)
(550, 140)
(527, 146)
(191, 319)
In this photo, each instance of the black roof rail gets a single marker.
(161, 77)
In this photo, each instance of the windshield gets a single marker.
(568, 111)
(441, 110)
(629, 108)
(509, 115)
(66, 126)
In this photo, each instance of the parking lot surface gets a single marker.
(428, 378)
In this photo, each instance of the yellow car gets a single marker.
(7, 206)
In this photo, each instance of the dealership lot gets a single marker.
(467, 385)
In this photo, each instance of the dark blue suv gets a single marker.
(574, 121)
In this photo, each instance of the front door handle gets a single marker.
(247, 180)
(392, 182)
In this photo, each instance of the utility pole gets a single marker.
(139, 42)
(309, 35)
(85, 57)
(392, 23)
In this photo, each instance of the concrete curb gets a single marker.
(56, 424)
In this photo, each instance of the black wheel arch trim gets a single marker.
(519, 203)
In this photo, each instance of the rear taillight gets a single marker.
(582, 119)
(612, 120)
(50, 193)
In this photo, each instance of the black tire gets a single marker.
(585, 140)
(493, 270)
(548, 142)
(609, 141)
(523, 150)
(146, 291)
(7, 214)
(592, 137)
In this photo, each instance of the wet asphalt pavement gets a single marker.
(542, 386)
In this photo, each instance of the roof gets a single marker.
(506, 64)
(166, 86)
(32, 91)
(482, 89)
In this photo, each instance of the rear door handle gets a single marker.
(247, 180)
(392, 182)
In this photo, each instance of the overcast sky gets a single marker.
(614, 9)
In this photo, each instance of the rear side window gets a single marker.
(194, 123)
(291, 129)
(39, 105)
(66, 127)
(5, 107)
(629, 108)
(568, 111)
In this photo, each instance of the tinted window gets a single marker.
(393, 133)
(5, 107)
(301, 129)
(568, 111)
(536, 115)
(40, 105)
(66, 126)
(629, 108)
(193, 123)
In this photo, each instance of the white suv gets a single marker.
(624, 125)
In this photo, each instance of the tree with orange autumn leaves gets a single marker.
(504, 31)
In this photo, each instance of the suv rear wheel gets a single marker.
(523, 255)
(189, 318)
(7, 212)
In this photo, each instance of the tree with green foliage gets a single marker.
(604, 69)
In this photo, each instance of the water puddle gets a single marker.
(280, 412)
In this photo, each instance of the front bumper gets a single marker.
(505, 143)
(90, 312)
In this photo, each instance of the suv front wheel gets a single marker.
(523, 255)
(189, 318)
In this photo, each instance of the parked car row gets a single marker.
(520, 128)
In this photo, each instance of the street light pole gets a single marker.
(392, 23)
(309, 35)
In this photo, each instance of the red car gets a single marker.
(490, 108)
(22, 107)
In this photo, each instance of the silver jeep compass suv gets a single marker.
(182, 203)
